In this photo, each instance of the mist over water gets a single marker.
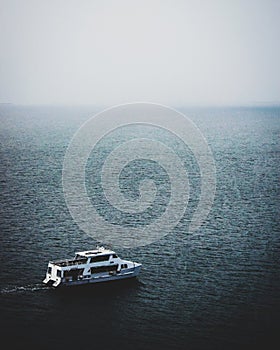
(215, 288)
(207, 52)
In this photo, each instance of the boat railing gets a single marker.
(70, 262)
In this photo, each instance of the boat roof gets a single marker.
(94, 252)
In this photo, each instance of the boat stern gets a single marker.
(53, 275)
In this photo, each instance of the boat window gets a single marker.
(73, 273)
(49, 270)
(58, 273)
(99, 258)
(124, 266)
(115, 256)
(104, 268)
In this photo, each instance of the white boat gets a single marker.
(92, 266)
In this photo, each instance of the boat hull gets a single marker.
(97, 279)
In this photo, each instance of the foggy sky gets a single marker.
(109, 52)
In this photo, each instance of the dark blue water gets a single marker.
(218, 288)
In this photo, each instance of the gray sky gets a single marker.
(109, 52)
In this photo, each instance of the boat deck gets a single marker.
(69, 262)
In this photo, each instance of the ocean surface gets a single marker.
(215, 288)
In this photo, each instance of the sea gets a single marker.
(216, 287)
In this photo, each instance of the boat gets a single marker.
(92, 266)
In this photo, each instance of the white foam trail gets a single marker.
(19, 289)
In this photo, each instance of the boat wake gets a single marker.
(21, 289)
